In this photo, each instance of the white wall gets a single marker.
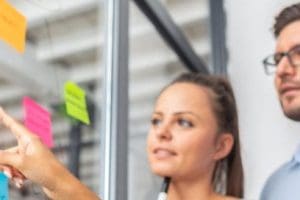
(268, 138)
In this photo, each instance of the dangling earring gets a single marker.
(219, 177)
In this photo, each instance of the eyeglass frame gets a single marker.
(281, 54)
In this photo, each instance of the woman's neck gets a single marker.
(191, 189)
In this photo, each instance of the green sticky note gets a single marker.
(75, 102)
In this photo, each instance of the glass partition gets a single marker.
(153, 64)
(64, 42)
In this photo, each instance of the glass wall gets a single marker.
(153, 64)
(64, 41)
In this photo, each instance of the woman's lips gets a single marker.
(162, 153)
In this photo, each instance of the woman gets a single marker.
(193, 141)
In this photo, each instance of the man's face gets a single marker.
(287, 78)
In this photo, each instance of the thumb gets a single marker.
(9, 158)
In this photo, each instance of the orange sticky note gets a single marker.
(12, 26)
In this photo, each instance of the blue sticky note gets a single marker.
(3, 187)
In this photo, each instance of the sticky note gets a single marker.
(75, 102)
(3, 187)
(12, 26)
(38, 120)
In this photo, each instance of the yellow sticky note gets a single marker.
(75, 102)
(12, 26)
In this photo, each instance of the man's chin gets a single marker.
(293, 115)
(291, 110)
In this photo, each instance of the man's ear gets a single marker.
(224, 145)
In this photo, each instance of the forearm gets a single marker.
(66, 186)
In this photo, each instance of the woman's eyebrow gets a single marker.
(187, 112)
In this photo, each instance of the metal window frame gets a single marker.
(218, 37)
(115, 111)
(172, 34)
(75, 136)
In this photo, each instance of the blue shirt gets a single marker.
(284, 183)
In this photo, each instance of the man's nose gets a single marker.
(285, 67)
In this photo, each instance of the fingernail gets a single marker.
(18, 185)
(8, 174)
(18, 182)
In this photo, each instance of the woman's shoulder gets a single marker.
(222, 197)
(234, 198)
(231, 198)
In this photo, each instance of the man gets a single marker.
(284, 184)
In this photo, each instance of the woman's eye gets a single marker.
(155, 122)
(185, 123)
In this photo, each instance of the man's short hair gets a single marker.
(285, 17)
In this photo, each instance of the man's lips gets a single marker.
(288, 88)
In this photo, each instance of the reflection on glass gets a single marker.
(152, 66)
(64, 40)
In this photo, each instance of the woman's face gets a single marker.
(182, 137)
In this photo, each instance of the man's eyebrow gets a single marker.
(295, 46)
(290, 49)
(157, 113)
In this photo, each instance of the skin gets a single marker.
(184, 143)
(287, 78)
(31, 159)
(186, 153)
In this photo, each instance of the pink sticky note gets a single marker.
(38, 120)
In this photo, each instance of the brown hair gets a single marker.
(225, 110)
(285, 17)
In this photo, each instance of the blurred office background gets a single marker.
(66, 40)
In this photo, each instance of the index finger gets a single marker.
(15, 127)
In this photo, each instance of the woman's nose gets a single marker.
(164, 132)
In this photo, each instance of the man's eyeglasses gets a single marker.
(271, 62)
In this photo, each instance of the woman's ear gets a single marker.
(224, 145)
